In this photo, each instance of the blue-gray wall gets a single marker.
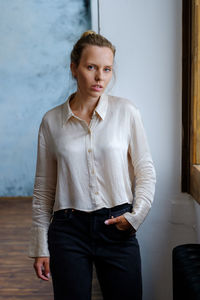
(36, 39)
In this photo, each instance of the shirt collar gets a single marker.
(100, 109)
(67, 112)
(102, 106)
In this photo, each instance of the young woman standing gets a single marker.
(94, 184)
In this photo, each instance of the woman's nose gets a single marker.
(98, 75)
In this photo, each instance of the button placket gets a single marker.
(93, 172)
(91, 166)
(89, 158)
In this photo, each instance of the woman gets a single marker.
(94, 184)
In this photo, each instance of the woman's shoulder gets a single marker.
(122, 104)
(53, 114)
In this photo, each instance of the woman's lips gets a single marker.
(97, 87)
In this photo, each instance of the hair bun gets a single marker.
(88, 32)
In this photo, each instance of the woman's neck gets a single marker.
(84, 105)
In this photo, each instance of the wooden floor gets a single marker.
(17, 277)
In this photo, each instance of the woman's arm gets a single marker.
(43, 194)
(145, 176)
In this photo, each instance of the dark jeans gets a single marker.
(77, 239)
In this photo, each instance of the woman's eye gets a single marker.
(90, 67)
(107, 69)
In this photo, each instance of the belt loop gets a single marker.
(109, 212)
(68, 211)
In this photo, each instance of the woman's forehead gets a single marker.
(97, 53)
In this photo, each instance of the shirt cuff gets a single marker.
(131, 219)
(38, 246)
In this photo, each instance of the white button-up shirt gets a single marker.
(105, 164)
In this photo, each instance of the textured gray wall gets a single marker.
(36, 39)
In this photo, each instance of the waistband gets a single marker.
(101, 211)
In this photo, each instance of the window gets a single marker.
(191, 98)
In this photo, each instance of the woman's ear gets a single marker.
(73, 69)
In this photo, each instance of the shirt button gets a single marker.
(96, 193)
(89, 130)
(89, 150)
(93, 171)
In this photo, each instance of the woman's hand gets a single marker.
(41, 266)
(120, 222)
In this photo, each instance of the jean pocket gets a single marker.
(115, 214)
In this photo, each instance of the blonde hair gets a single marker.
(89, 37)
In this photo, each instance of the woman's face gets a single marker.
(94, 71)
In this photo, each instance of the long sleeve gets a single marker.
(43, 195)
(145, 176)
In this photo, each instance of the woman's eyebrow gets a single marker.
(90, 63)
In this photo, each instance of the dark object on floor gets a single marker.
(186, 272)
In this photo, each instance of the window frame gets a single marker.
(191, 98)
